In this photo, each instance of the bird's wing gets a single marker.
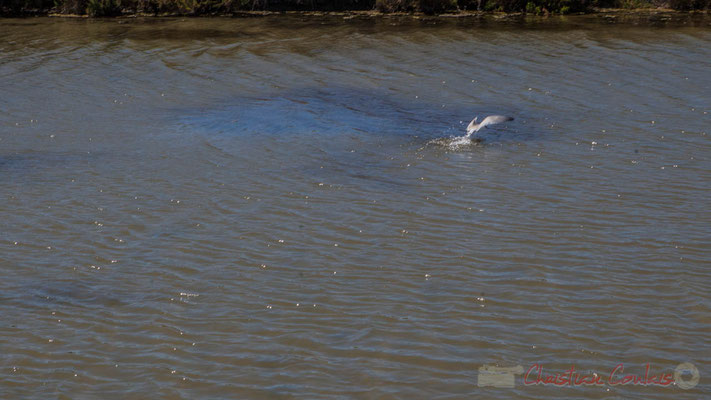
(494, 119)
(471, 126)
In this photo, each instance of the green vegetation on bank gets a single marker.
(99, 8)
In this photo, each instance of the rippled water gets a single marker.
(280, 207)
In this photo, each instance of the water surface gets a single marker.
(273, 207)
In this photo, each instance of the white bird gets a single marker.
(490, 120)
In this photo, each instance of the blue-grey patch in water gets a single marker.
(350, 135)
(29, 162)
(333, 111)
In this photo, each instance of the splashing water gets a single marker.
(457, 142)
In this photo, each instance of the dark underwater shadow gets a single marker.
(338, 135)
(335, 111)
(29, 161)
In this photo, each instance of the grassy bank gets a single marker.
(100, 8)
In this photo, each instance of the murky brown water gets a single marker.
(273, 208)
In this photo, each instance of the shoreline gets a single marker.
(607, 13)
